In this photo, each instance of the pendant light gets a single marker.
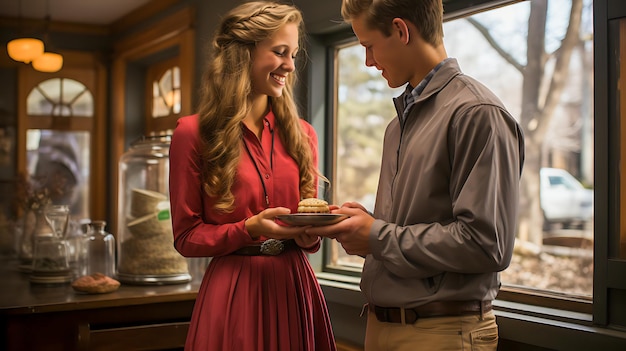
(48, 62)
(29, 50)
(24, 49)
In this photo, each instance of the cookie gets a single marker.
(313, 205)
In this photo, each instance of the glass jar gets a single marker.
(100, 250)
(146, 253)
(50, 259)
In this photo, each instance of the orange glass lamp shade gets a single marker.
(48, 62)
(25, 49)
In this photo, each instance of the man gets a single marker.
(445, 215)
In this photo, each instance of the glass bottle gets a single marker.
(100, 250)
(77, 246)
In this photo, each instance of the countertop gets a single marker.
(19, 296)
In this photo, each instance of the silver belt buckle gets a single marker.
(272, 247)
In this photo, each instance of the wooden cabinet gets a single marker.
(54, 317)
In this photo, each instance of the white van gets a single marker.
(564, 200)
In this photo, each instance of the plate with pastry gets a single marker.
(312, 211)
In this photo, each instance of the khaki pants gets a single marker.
(462, 333)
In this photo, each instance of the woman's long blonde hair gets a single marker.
(225, 100)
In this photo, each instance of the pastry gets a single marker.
(96, 283)
(313, 205)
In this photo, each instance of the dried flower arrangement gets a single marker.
(35, 193)
(30, 195)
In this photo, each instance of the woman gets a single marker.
(244, 159)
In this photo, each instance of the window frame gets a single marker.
(609, 284)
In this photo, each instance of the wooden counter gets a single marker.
(55, 317)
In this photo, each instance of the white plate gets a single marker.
(314, 219)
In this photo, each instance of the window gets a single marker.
(166, 93)
(553, 103)
(165, 100)
(58, 141)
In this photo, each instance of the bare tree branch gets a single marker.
(563, 56)
(485, 33)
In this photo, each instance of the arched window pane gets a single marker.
(83, 106)
(37, 104)
(60, 97)
(51, 88)
(166, 81)
(71, 90)
(176, 77)
(159, 108)
(166, 99)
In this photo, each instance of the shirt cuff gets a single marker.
(314, 247)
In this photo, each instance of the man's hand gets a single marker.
(352, 233)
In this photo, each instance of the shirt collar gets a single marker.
(417, 91)
(411, 94)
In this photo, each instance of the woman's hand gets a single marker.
(263, 224)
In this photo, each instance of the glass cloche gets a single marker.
(146, 253)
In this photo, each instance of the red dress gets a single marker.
(245, 303)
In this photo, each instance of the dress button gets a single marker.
(267, 176)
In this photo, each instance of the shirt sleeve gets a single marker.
(193, 237)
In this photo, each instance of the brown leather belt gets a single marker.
(431, 309)
(270, 247)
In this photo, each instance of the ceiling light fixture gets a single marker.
(25, 49)
(29, 50)
(48, 62)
